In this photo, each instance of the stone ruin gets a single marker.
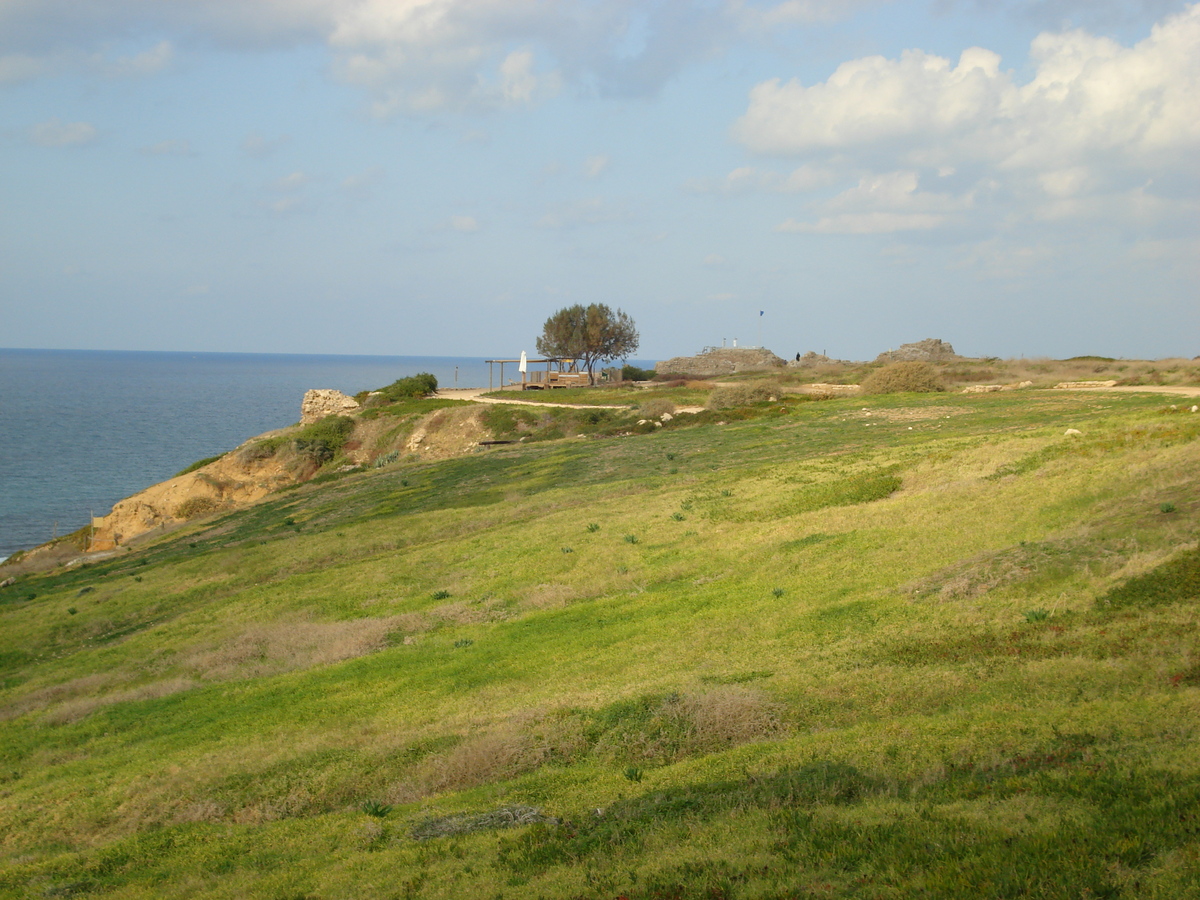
(718, 361)
(320, 402)
(928, 350)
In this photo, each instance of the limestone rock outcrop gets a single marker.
(717, 361)
(928, 350)
(322, 402)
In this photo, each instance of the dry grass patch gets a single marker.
(729, 716)
(74, 690)
(485, 758)
(288, 646)
(81, 707)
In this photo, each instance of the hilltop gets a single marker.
(899, 645)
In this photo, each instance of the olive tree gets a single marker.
(590, 334)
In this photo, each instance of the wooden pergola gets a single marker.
(559, 372)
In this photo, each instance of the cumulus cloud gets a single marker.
(1091, 132)
(1089, 96)
(420, 55)
(56, 133)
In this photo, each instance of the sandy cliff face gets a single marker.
(235, 479)
(245, 475)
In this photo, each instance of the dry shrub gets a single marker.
(730, 396)
(729, 716)
(903, 377)
(194, 507)
(484, 758)
(656, 408)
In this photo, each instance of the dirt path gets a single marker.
(1177, 389)
(476, 394)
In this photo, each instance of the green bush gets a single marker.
(420, 385)
(633, 373)
(734, 395)
(322, 440)
(903, 377)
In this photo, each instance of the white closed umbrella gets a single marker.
(523, 366)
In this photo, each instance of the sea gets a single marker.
(82, 429)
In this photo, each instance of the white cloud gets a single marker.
(595, 166)
(291, 182)
(361, 185)
(465, 224)
(865, 223)
(56, 133)
(260, 147)
(420, 55)
(1089, 97)
(139, 65)
(18, 67)
(1089, 136)
(590, 211)
(746, 179)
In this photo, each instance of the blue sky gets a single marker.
(438, 176)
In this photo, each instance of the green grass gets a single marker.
(940, 650)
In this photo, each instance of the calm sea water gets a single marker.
(80, 430)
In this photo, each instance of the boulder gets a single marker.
(320, 402)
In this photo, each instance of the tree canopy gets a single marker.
(591, 334)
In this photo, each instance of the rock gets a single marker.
(1076, 385)
(928, 350)
(717, 361)
(666, 417)
(8, 582)
(1072, 432)
(982, 388)
(322, 402)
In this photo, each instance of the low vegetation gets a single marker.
(904, 377)
(899, 645)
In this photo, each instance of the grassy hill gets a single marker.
(896, 646)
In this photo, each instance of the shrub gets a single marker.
(322, 440)
(735, 395)
(420, 385)
(196, 506)
(656, 408)
(633, 373)
(903, 377)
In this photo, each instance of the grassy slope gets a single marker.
(764, 674)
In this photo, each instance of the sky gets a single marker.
(437, 177)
